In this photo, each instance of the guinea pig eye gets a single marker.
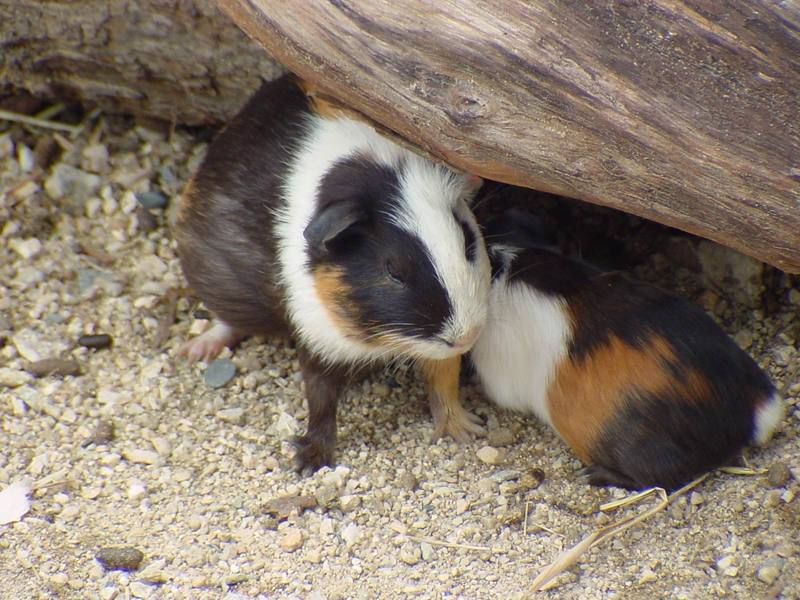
(394, 273)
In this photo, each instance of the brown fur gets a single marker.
(335, 294)
(586, 394)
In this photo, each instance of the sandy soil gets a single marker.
(191, 474)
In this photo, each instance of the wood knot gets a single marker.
(464, 107)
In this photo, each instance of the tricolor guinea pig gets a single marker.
(315, 226)
(643, 385)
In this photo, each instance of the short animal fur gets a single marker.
(314, 226)
(643, 385)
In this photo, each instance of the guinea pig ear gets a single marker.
(330, 222)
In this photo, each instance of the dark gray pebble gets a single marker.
(152, 199)
(219, 372)
(100, 340)
(147, 220)
(53, 366)
(778, 474)
(103, 434)
(122, 558)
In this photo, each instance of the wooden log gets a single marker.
(181, 60)
(684, 112)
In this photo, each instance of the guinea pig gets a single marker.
(644, 386)
(311, 225)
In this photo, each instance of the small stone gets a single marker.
(95, 158)
(283, 506)
(490, 455)
(108, 592)
(97, 341)
(500, 437)
(219, 372)
(381, 389)
(25, 158)
(291, 540)
(181, 475)
(59, 579)
(744, 338)
(647, 576)
(66, 180)
(696, 499)
(27, 249)
(140, 590)
(778, 474)
(136, 489)
(104, 432)
(140, 456)
(54, 366)
(233, 415)
(410, 553)
(326, 495)
(153, 266)
(154, 572)
(13, 377)
(506, 475)
(485, 485)
(146, 219)
(284, 427)
(770, 570)
(349, 502)
(124, 558)
(427, 551)
(462, 504)
(408, 481)
(350, 534)
(152, 199)
(794, 296)
(326, 527)
(724, 563)
(161, 445)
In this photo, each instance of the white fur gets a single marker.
(526, 337)
(768, 416)
(432, 192)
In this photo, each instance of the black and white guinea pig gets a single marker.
(315, 226)
(643, 385)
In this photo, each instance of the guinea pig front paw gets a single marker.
(458, 423)
(312, 454)
(208, 345)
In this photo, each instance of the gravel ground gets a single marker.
(190, 464)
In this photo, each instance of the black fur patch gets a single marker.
(225, 230)
(470, 240)
(392, 283)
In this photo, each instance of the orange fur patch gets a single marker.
(587, 393)
(335, 296)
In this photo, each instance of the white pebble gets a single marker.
(27, 248)
(350, 534)
(137, 455)
(136, 489)
(326, 527)
(291, 540)
(490, 455)
(25, 158)
(13, 377)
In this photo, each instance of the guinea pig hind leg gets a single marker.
(449, 417)
(208, 345)
(324, 384)
(601, 476)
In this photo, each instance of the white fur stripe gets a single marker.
(526, 338)
(768, 415)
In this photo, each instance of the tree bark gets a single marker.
(181, 60)
(684, 112)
